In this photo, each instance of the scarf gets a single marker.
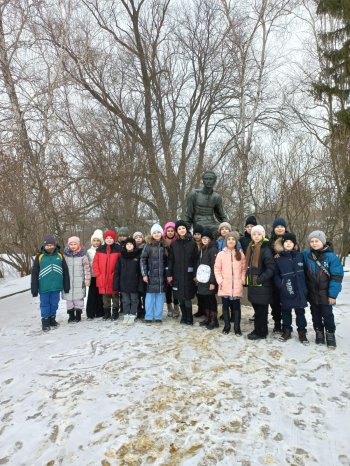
(255, 249)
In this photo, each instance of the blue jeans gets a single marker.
(299, 319)
(323, 317)
(49, 303)
(154, 306)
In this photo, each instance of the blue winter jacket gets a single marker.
(320, 285)
(290, 280)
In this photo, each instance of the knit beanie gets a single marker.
(110, 233)
(156, 227)
(224, 224)
(319, 235)
(279, 221)
(165, 229)
(251, 220)
(73, 239)
(181, 223)
(291, 237)
(198, 229)
(137, 233)
(208, 232)
(258, 229)
(97, 234)
(49, 239)
(232, 234)
(130, 240)
(123, 231)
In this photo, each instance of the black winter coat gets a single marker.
(245, 240)
(153, 263)
(127, 273)
(290, 280)
(182, 266)
(260, 279)
(207, 257)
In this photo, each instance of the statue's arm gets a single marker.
(190, 208)
(219, 211)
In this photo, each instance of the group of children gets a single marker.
(177, 265)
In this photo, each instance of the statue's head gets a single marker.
(209, 179)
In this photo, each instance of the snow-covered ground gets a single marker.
(100, 393)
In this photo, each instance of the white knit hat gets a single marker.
(97, 234)
(156, 227)
(258, 229)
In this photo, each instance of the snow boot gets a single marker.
(189, 315)
(53, 322)
(45, 324)
(277, 327)
(170, 309)
(71, 317)
(227, 326)
(176, 312)
(183, 314)
(78, 313)
(115, 314)
(213, 321)
(319, 337)
(206, 320)
(254, 336)
(303, 338)
(285, 335)
(107, 312)
(236, 314)
(330, 337)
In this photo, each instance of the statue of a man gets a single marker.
(204, 206)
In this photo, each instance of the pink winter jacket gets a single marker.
(229, 273)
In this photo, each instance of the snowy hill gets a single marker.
(100, 393)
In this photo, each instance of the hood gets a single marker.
(80, 253)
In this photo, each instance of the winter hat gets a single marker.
(97, 234)
(291, 237)
(319, 235)
(49, 239)
(73, 239)
(130, 240)
(123, 231)
(166, 226)
(137, 233)
(259, 229)
(224, 224)
(181, 223)
(233, 234)
(198, 229)
(156, 227)
(279, 221)
(208, 233)
(251, 220)
(110, 233)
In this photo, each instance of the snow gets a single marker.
(102, 393)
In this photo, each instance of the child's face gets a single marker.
(96, 242)
(49, 248)
(224, 231)
(279, 230)
(181, 231)
(257, 237)
(205, 240)
(231, 242)
(122, 238)
(138, 239)
(170, 232)
(248, 229)
(288, 245)
(316, 244)
(73, 246)
(109, 240)
(197, 237)
(129, 247)
(157, 235)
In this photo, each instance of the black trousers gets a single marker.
(94, 305)
(260, 322)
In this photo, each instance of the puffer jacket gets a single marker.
(104, 264)
(320, 285)
(127, 274)
(153, 265)
(230, 273)
(207, 257)
(79, 271)
(290, 280)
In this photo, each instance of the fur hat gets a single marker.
(233, 234)
(137, 233)
(198, 229)
(208, 232)
(110, 233)
(224, 224)
(289, 237)
(181, 223)
(97, 234)
(251, 220)
(319, 235)
(156, 227)
(73, 239)
(130, 240)
(279, 221)
(123, 231)
(258, 229)
(49, 239)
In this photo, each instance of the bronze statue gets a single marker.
(204, 206)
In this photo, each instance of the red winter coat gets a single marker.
(104, 265)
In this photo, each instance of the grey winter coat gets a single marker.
(79, 271)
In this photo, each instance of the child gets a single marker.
(224, 228)
(290, 281)
(103, 264)
(80, 275)
(207, 287)
(169, 236)
(94, 305)
(139, 240)
(140, 244)
(260, 271)
(50, 276)
(181, 272)
(123, 233)
(153, 273)
(229, 271)
(127, 279)
(246, 238)
(324, 275)
(197, 234)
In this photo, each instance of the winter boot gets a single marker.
(227, 326)
(206, 320)
(319, 337)
(277, 327)
(107, 312)
(71, 317)
(285, 335)
(199, 313)
(45, 324)
(183, 314)
(213, 321)
(176, 312)
(115, 314)
(78, 313)
(170, 309)
(189, 315)
(330, 337)
(236, 311)
(53, 322)
(302, 337)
